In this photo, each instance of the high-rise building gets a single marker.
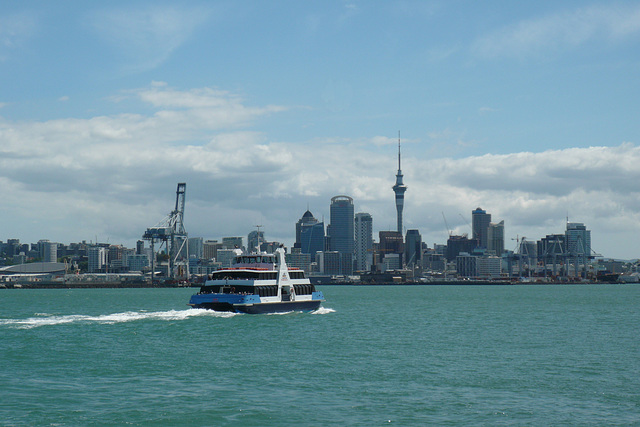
(364, 241)
(399, 190)
(340, 229)
(210, 249)
(495, 238)
(480, 221)
(413, 248)
(391, 243)
(254, 240)
(50, 252)
(550, 246)
(196, 247)
(309, 234)
(458, 244)
(232, 242)
(97, 259)
(578, 239)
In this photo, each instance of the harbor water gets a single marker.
(374, 355)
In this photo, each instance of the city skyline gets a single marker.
(527, 110)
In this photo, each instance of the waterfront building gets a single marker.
(340, 230)
(364, 241)
(467, 265)
(480, 221)
(399, 189)
(334, 263)
(489, 267)
(413, 248)
(140, 247)
(137, 262)
(495, 238)
(329, 262)
(97, 259)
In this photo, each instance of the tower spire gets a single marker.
(399, 168)
(399, 189)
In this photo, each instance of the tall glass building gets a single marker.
(309, 234)
(413, 248)
(480, 221)
(578, 239)
(341, 231)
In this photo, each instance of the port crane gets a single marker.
(171, 234)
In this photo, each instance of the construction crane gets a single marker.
(171, 233)
(449, 231)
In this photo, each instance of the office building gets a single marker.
(97, 259)
(577, 239)
(392, 244)
(254, 240)
(196, 247)
(480, 221)
(413, 248)
(309, 234)
(495, 238)
(340, 229)
(232, 242)
(364, 241)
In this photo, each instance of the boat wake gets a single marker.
(45, 319)
(323, 310)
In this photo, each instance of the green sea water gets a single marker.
(403, 355)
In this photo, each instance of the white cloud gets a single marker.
(561, 31)
(113, 176)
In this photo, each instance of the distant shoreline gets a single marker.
(173, 285)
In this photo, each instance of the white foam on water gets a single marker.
(323, 310)
(44, 319)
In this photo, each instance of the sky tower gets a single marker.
(399, 189)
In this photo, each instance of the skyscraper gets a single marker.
(364, 241)
(392, 246)
(254, 240)
(495, 238)
(413, 248)
(578, 239)
(480, 221)
(309, 234)
(341, 227)
(399, 189)
(341, 234)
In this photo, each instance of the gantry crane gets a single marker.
(171, 233)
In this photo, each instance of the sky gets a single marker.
(528, 110)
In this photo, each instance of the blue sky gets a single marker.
(527, 109)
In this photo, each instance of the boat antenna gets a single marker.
(258, 235)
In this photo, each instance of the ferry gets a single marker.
(258, 283)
